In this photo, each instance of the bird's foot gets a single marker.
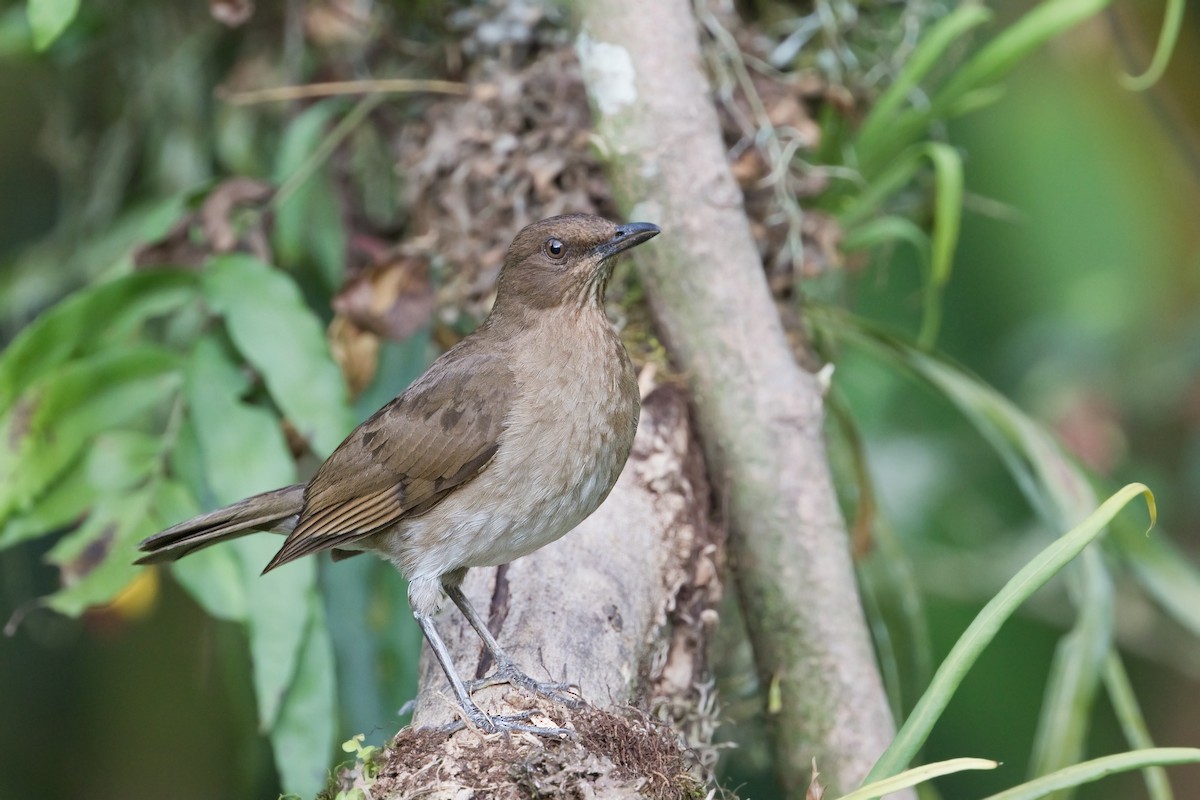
(507, 672)
(508, 723)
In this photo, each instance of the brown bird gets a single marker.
(506, 443)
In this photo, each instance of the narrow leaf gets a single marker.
(1172, 22)
(984, 627)
(1096, 769)
(918, 775)
(1133, 724)
(927, 54)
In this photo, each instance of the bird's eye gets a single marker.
(554, 248)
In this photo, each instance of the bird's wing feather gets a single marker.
(412, 453)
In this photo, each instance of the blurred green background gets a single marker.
(1076, 293)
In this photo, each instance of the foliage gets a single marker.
(155, 391)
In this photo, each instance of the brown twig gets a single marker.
(304, 91)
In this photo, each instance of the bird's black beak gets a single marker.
(628, 235)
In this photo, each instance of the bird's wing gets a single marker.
(443, 431)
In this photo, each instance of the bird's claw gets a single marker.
(508, 723)
(508, 673)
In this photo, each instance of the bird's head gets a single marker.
(565, 261)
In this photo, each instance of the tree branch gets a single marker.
(760, 415)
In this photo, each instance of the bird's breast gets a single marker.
(566, 439)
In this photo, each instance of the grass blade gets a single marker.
(927, 53)
(1133, 724)
(1167, 38)
(983, 628)
(918, 775)
(1096, 769)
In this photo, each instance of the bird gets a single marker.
(508, 441)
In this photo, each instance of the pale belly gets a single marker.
(535, 491)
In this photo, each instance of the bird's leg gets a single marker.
(506, 670)
(489, 723)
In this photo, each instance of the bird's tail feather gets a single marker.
(270, 511)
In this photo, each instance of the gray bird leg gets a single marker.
(506, 668)
(489, 723)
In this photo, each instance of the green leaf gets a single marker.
(308, 225)
(243, 445)
(376, 641)
(97, 559)
(214, 577)
(64, 503)
(983, 629)
(1096, 769)
(1076, 671)
(277, 616)
(1133, 724)
(85, 322)
(244, 453)
(927, 54)
(1167, 38)
(918, 775)
(303, 736)
(279, 335)
(61, 412)
(49, 18)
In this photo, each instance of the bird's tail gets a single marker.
(270, 511)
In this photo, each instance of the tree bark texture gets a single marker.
(623, 608)
(759, 414)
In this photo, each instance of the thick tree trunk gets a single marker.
(622, 607)
(760, 415)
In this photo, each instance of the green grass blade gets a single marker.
(1167, 38)
(1133, 724)
(1076, 671)
(947, 221)
(1096, 769)
(918, 775)
(927, 53)
(983, 628)
(997, 58)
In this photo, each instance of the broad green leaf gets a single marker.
(303, 736)
(245, 453)
(59, 414)
(119, 460)
(215, 579)
(279, 335)
(1096, 769)
(277, 616)
(64, 503)
(49, 18)
(376, 640)
(983, 629)
(308, 225)
(87, 320)
(97, 559)
(918, 775)
(243, 445)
